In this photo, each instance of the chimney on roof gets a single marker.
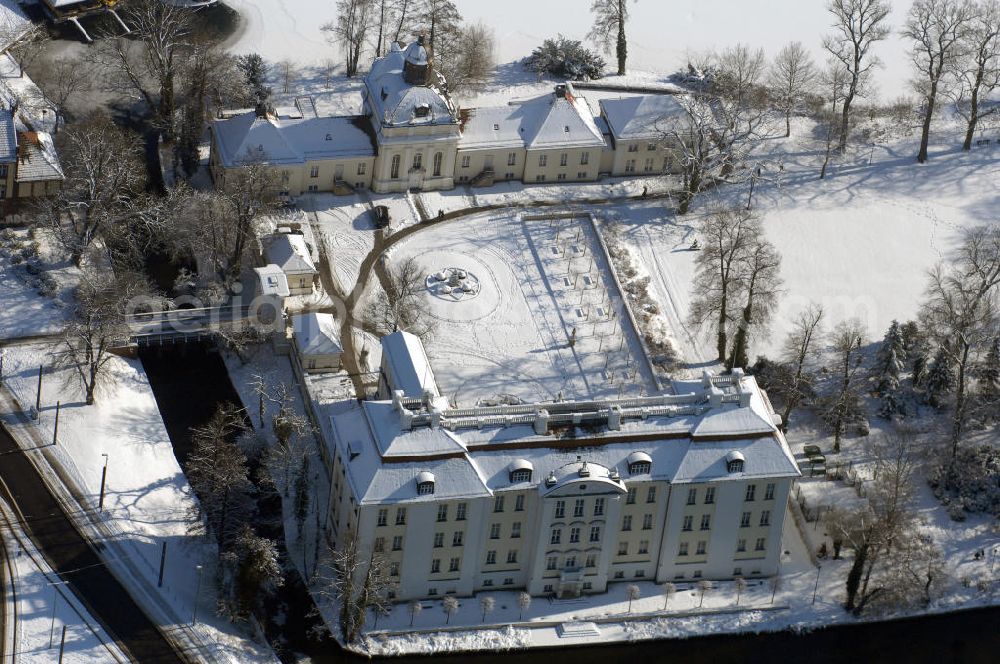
(561, 91)
(542, 422)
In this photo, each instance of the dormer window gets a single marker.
(520, 471)
(422, 110)
(329, 137)
(639, 463)
(735, 462)
(566, 129)
(425, 484)
(496, 127)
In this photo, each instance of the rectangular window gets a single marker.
(688, 523)
(460, 512)
(397, 543)
(759, 546)
(379, 545)
(453, 564)
(393, 569)
(432, 591)
(551, 563)
(745, 520)
(362, 168)
(313, 187)
(751, 490)
(511, 556)
(580, 175)
(442, 512)
(591, 561)
(737, 571)
(543, 160)
(438, 540)
(383, 517)
(651, 494)
(314, 172)
(692, 496)
(570, 562)
(515, 530)
(3, 170)
(622, 548)
(650, 147)
(741, 545)
(563, 159)
(418, 160)
(560, 509)
(633, 148)
(619, 574)
(519, 503)
(561, 176)
(643, 546)
(495, 531)
(556, 536)
(508, 581)
(769, 492)
(647, 521)
(547, 588)
(574, 535)
(584, 158)
(697, 574)
(400, 516)
(682, 550)
(394, 167)
(639, 573)
(700, 549)
(630, 498)
(491, 557)
(647, 165)
(709, 495)
(487, 583)
(498, 504)
(466, 160)
(630, 166)
(706, 521)
(627, 522)
(435, 566)
(598, 507)
(456, 539)
(595, 533)
(578, 507)
(765, 518)
(511, 158)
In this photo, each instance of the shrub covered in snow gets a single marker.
(975, 486)
(565, 58)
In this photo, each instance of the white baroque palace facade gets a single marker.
(559, 498)
(411, 135)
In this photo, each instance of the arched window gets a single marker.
(418, 160)
(639, 463)
(438, 157)
(394, 169)
(425, 483)
(734, 462)
(520, 471)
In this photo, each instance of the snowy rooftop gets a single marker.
(37, 158)
(8, 137)
(286, 140)
(316, 334)
(556, 120)
(13, 22)
(398, 103)
(404, 356)
(289, 252)
(272, 280)
(686, 436)
(645, 117)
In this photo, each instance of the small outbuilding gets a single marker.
(405, 367)
(290, 253)
(317, 342)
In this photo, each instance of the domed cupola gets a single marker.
(415, 63)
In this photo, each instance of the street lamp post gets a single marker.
(104, 479)
(819, 568)
(197, 594)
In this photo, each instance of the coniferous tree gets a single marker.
(889, 361)
(254, 573)
(989, 378)
(940, 379)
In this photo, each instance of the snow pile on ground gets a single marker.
(36, 282)
(492, 640)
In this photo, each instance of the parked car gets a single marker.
(381, 216)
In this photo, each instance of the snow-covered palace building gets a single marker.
(559, 498)
(411, 135)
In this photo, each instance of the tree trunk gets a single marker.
(845, 112)
(970, 131)
(958, 418)
(167, 106)
(721, 338)
(854, 576)
(788, 123)
(622, 50)
(925, 130)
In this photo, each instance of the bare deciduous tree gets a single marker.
(523, 604)
(834, 82)
(449, 605)
(441, 21)
(487, 604)
(63, 79)
(938, 29)
(99, 324)
(351, 29)
(669, 590)
(791, 78)
(960, 315)
(632, 593)
(360, 582)
(727, 236)
(740, 584)
(844, 405)
(469, 64)
(798, 352)
(760, 284)
(610, 17)
(978, 67)
(703, 587)
(403, 307)
(858, 26)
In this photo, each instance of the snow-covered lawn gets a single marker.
(148, 501)
(538, 281)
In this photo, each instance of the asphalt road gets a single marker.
(72, 558)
